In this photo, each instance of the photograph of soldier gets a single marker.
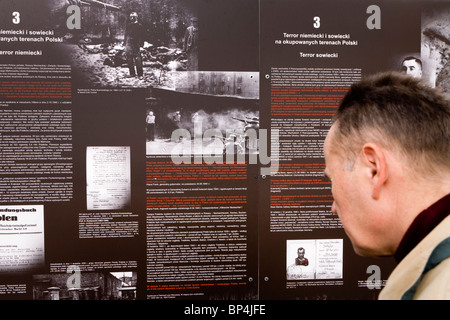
(150, 121)
(412, 66)
(190, 45)
(134, 40)
(301, 260)
(298, 267)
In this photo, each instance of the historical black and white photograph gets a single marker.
(79, 284)
(314, 259)
(435, 45)
(133, 43)
(300, 259)
(142, 43)
(209, 113)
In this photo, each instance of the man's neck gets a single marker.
(419, 194)
(409, 197)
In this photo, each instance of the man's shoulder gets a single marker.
(435, 284)
(411, 268)
(135, 25)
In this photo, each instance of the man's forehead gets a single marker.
(329, 139)
(410, 63)
(330, 148)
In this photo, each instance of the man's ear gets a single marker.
(374, 161)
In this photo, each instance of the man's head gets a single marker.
(133, 17)
(389, 139)
(194, 21)
(300, 252)
(412, 66)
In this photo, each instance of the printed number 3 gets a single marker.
(316, 23)
(16, 17)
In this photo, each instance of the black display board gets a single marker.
(201, 177)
